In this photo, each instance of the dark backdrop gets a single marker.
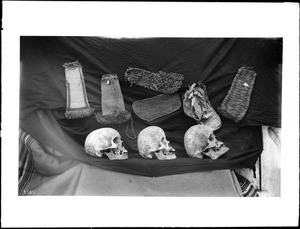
(214, 61)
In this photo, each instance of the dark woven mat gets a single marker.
(236, 102)
(163, 82)
(155, 107)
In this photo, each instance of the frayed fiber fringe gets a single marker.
(117, 117)
(72, 65)
(80, 113)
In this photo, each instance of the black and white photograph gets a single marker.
(148, 121)
(156, 116)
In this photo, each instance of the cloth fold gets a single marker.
(26, 166)
(38, 158)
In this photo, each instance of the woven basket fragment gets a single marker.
(155, 107)
(237, 100)
(163, 82)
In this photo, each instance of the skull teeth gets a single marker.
(215, 148)
(116, 152)
(168, 152)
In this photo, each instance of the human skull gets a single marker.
(152, 141)
(105, 141)
(200, 140)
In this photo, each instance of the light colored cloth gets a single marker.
(270, 175)
(87, 180)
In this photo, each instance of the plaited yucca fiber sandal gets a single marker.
(162, 82)
(150, 109)
(237, 100)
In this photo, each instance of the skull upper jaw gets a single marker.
(165, 155)
(116, 154)
(215, 152)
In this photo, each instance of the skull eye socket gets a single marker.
(211, 137)
(161, 140)
(156, 151)
(105, 151)
(206, 150)
(115, 140)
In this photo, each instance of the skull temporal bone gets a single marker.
(152, 141)
(105, 141)
(200, 140)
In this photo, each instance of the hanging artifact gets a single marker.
(77, 101)
(237, 100)
(112, 102)
(162, 82)
(150, 109)
(197, 106)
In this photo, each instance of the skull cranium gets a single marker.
(200, 140)
(105, 141)
(152, 141)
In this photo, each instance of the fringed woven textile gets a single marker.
(248, 188)
(26, 165)
(237, 100)
(112, 102)
(77, 101)
(155, 107)
(163, 82)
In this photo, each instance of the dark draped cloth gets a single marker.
(213, 61)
